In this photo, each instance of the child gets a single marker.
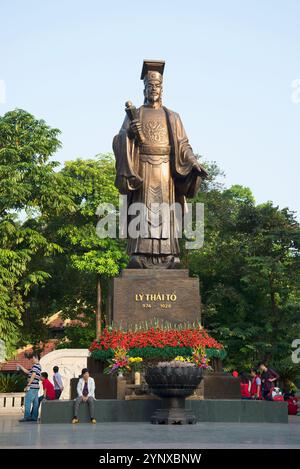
(255, 390)
(58, 384)
(49, 393)
(245, 385)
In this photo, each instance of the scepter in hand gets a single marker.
(136, 127)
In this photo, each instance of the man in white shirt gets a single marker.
(86, 393)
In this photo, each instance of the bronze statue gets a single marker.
(155, 165)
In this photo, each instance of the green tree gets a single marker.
(249, 275)
(27, 186)
(87, 261)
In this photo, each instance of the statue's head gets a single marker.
(152, 74)
(153, 91)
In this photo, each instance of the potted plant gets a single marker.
(122, 363)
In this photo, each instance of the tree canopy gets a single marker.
(51, 258)
(249, 272)
(27, 187)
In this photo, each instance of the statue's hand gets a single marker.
(200, 169)
(134, 183)
(135, 126)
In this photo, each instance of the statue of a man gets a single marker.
(156, 166)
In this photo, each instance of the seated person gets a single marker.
(48, 389)
(292, 401)
(86, 393)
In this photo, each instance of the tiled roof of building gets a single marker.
(57, 322)
(53, 322)
(22, 359)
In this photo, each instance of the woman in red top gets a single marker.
(245, 385)
(255, 390)
(49, 391)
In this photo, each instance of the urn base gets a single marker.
(173, 417)
(173, 412)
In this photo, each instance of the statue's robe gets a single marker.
(146, 177)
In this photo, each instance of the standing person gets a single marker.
(268, 379)
(49, 392)
(255, 390)
(245, 385)
(86, 393)
(58, 382)
(32, 390)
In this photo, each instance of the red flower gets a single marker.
(112, 339)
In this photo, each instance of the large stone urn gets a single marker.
(173, 382)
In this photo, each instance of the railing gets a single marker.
(11, 402)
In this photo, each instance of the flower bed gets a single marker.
(156, 343)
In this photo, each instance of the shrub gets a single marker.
(12, 382)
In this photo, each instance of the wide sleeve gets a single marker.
(184, 163)
(126, 155)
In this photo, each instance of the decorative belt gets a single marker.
(154, 159)
(153, 150)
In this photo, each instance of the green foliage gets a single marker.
(85, 258)
(288, 371)
(91, 183)
(250, 276)
(51, 257)
(155, 353)
(12, 382)
(27, 186)
(79, 336)
(94, 183)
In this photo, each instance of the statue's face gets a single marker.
(153, 91)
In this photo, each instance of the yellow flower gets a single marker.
(135, 359)
(179, 358)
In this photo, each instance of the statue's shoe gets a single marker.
(144, 262)
(174, 263)
(136, 262)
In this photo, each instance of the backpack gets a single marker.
(276, 395)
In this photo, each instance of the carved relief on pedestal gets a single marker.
(70, 363)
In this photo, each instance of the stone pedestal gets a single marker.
(221, 385)
(142, 295)
(173, 413)
(113, 410)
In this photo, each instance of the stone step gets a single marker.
(113, 410)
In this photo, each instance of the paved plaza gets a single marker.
(141, 435)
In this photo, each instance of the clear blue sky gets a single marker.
(229, 69)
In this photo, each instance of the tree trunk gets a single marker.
(98, 308)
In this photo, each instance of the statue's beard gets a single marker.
(152, 100)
